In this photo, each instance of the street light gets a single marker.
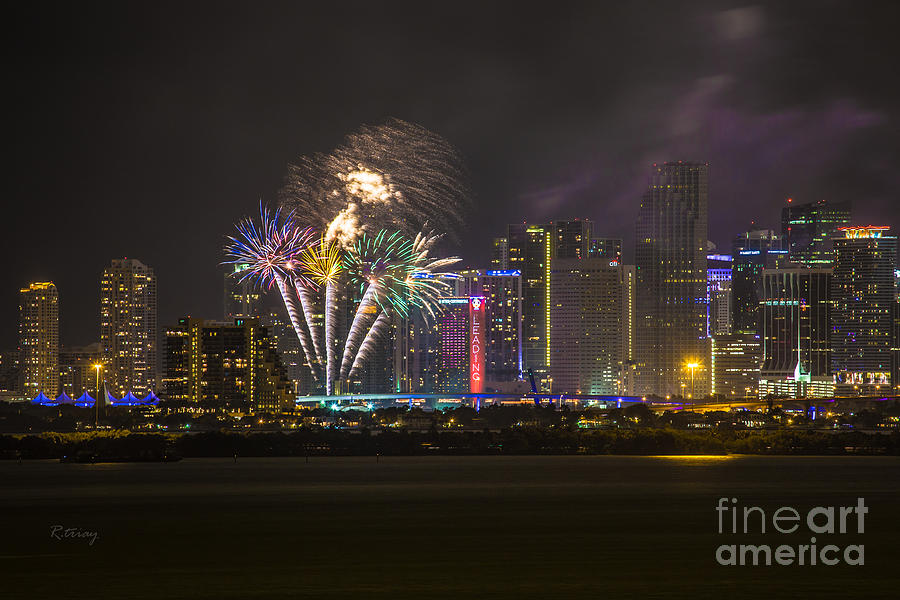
(97, 367)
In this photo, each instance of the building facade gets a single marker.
(670, 255)
(809, 229)
(39, 339)
(225, 366)
(752, 252)
(863, 291)
(128, 327)
(587, 349)
(530, 254)
(796, 333)
(735, 365)
(77, 369)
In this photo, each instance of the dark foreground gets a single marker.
(432, 527)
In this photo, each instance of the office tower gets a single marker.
(76, 369)
(529, 253)
(128, 333)
(718, 294)
(39, 339)
(461, 344)
(670, 253)
(571, 239)
(500, 253)
(736, 359)
(586, 324)
(808, 230)
(241, 297)
(796, 333)
(863, 292)
(752, 252)
(416, 354)
(629, 283)
(222, 365)
(502, 292)
(609, 249)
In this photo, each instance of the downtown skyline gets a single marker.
(547, 131)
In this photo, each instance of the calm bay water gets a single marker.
(436, 527)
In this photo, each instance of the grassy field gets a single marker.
(435, 527)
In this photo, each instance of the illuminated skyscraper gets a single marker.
(502, 292)
(753, 251)
(572, 239)
(228, 365)
(670, 253)
(242, 298)
(461, 343)
(809, 230)
(796, 333)
(529, 253)
(128, 331)
(587, 350)
(500, 253)
(863, 292)
(735, 364)
(39, 339)
(718, 294)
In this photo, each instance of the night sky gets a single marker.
(146, 130)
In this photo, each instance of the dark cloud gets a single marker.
(146, 130)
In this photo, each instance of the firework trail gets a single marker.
(322, 264)
(397, 175)
(270, 251)
(394, 275)
(368, 343)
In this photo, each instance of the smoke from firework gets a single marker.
(397, 175)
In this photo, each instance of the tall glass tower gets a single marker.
(671, 237)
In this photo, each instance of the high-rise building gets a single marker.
(128, 330)
(863, 292)
(796, 333)
(587, 349)
(629, 283)
(500, 253)
(718, 294)
(609, 249)
(502, 292)
(809, 229)
(670, 253)
(735, 364)
(529, 253)
(77, 373)
(241, 298)
(572, 239)
(752, 252)
(461, 345)
(221, 365)
(39, 339)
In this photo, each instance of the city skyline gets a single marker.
(173, 159)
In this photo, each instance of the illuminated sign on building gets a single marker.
(507, 273)
(476, 344)
(453, 301)
(869, 231)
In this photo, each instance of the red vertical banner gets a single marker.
(476, 344)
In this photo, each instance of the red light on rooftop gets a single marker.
(790, 200)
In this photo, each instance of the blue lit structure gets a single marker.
(85, 401)
(64, 399)
(43, 400)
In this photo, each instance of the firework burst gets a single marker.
(397, 175)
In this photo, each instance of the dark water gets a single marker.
(433, 527)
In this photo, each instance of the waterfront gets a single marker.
(537, 526)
